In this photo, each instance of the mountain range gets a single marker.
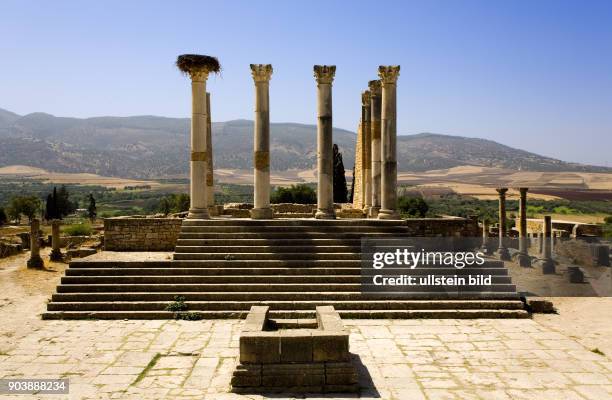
(149, 147)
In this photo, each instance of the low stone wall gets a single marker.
(572, 228)
(465, 227)
(141, 234)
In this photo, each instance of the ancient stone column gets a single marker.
(261, 154)
(367, 150)
(324, 75)
(198, 68)
(523, 257)
(502, 251)
(547, 263)
(375, 110)
(56, 253)
(210, 177)
(485, 235)
(35, 261)
(388, 182)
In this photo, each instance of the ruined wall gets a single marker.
(141, 234)
(465, 227)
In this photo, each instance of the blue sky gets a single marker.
(536, 75)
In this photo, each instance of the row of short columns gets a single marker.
(35, 260)
(522, 257)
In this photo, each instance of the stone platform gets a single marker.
(222, 267)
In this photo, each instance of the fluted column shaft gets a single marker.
(375, 152)
(324, 75)
(35, 261)
(198, 165)
(210, 177)
(261, 154)
(56, 254)
(523, 257)
(502, 251)
(367, 149)
(388, 182)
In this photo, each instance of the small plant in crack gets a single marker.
(177, 305)
(229, 257)
(189, 316)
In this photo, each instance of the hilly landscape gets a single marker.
(150, 147)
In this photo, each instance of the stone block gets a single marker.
(296, 345)
(576, 275)
(330, 347)
(540, 305)
(259, 347)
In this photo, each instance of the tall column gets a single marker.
(56, 253)
(523, 257)
(210, 177)
(547, 263)
(367, 150)
(388, 185)
(502, 251)
(199, 122)
(375, 110)
(35, 261)
(261, 155)
(324, 75)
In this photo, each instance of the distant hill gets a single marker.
(156, 147)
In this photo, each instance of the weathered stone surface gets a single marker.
(141, 234)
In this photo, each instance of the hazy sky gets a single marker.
(536, 75)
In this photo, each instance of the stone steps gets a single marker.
(297, 314)
(292, 305)
(90, 296)
(225, 279)
(223, 266)
(302, 287)
(249, 272)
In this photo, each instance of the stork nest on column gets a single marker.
(190, 62)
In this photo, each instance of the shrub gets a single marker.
(78, 230)
(298, 194)
(608, 219)
(413, 206)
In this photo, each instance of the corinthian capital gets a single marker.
(261, 72)
(198, 75)
(365, 98)
(388, 73)
(324, 73)
(375, 88)
(501, 191)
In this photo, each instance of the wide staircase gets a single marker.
(221, 267)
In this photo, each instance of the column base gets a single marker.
(262, 213)
(373, 212)
(35, 262)
(325, 214)
(503, 254)
(388, 214)
(548, 266)
(215, 211)
(523, 260)
(56, 255)
(198, 213)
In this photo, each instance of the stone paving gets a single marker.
(399, 359)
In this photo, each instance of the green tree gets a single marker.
(413, 206)
(28, 206)
(3, 216)
(299, 194)
(340, 191)
(91, 208)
